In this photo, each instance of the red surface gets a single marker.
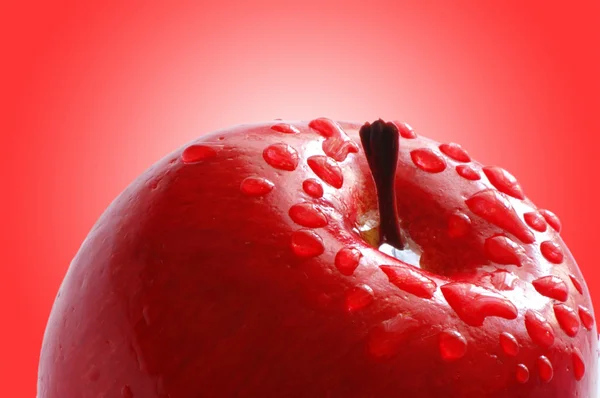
(94, 94)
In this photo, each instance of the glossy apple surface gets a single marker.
(247, 264)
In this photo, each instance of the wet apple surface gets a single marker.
(322, 259)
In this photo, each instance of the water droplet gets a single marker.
(578, 364)
(410, 280)
(347, 259)
(387, 339)
(503, 250)
(468, 172)
(551, 219)
(455, 151)
(307, 243)
(504, 181)
(473, 303)
(126, 392)
(198, 153)
(285, 128)
(539, 329)
(552, 252)
(552, 287)
(325, 127)
(567, 319)
(509, 344)
(576, 283)
(545, 369)
(327, 170)
(535, 220)
(405, 130)
(522, 373)
(503, 280)
(256, 186)
(453, 345)
(359, 297)
(281, 156)
(313, 188)
(308, 215)
(339, 148)
(494, 208)
(587, 319)
(427, 160)
(459, 224)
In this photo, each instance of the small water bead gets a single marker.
(198, 153)
(552, 287)
(285, 128)
(503, 280)
(339, 147)
(473, 303)
(281, 156)
(307, 243)
(359, 297)
(503, 250)
(539, 329)
(455, 152)
(256, 186)
(410, 280)
(522, 373)
(468, 172)
(327, 170)
(452, 344)
(552, 252)
(587, 319)
(535, 220)
(126, 392)
(405, 130)
(490, 205)
(313, 188)
(578, 364)
(347, 259)
(459, 225)
(545, 370)
(388, 338)
(567, 319)
(576, 283)
(427, 160)
(504, 181)
(509, 344)
(551, 219)
(308, 215)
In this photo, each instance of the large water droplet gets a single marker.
(308, 215)
(552, 287)
(405, 130)
(504, 181)
(325, 127)
(587, 319)
(427, 160)
(198, 153)
(256, 186)
(535, 220)
(459, 225)
(522, 373)
(313, 188)
(503, 250)
(327, 170)
(410, 280)
(552, 252)
(473, 303)
(453, 345)
(347, 259)
(578, 364)
(539, 329)
(545, 369)
(359, 297)
(551, 219)
(281, 156)
(338, 148)
(468, 172)
(567, 319)
(494, 208)
(576, 283)
(285, 128)
(455, 152)
(387, 339)
(509, 344)
(126, 392)
(307, 243)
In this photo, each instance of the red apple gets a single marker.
(248, 264)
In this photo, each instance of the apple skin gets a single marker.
(189, 287)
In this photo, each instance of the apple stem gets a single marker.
(380, 142)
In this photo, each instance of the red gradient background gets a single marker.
(94, 92)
